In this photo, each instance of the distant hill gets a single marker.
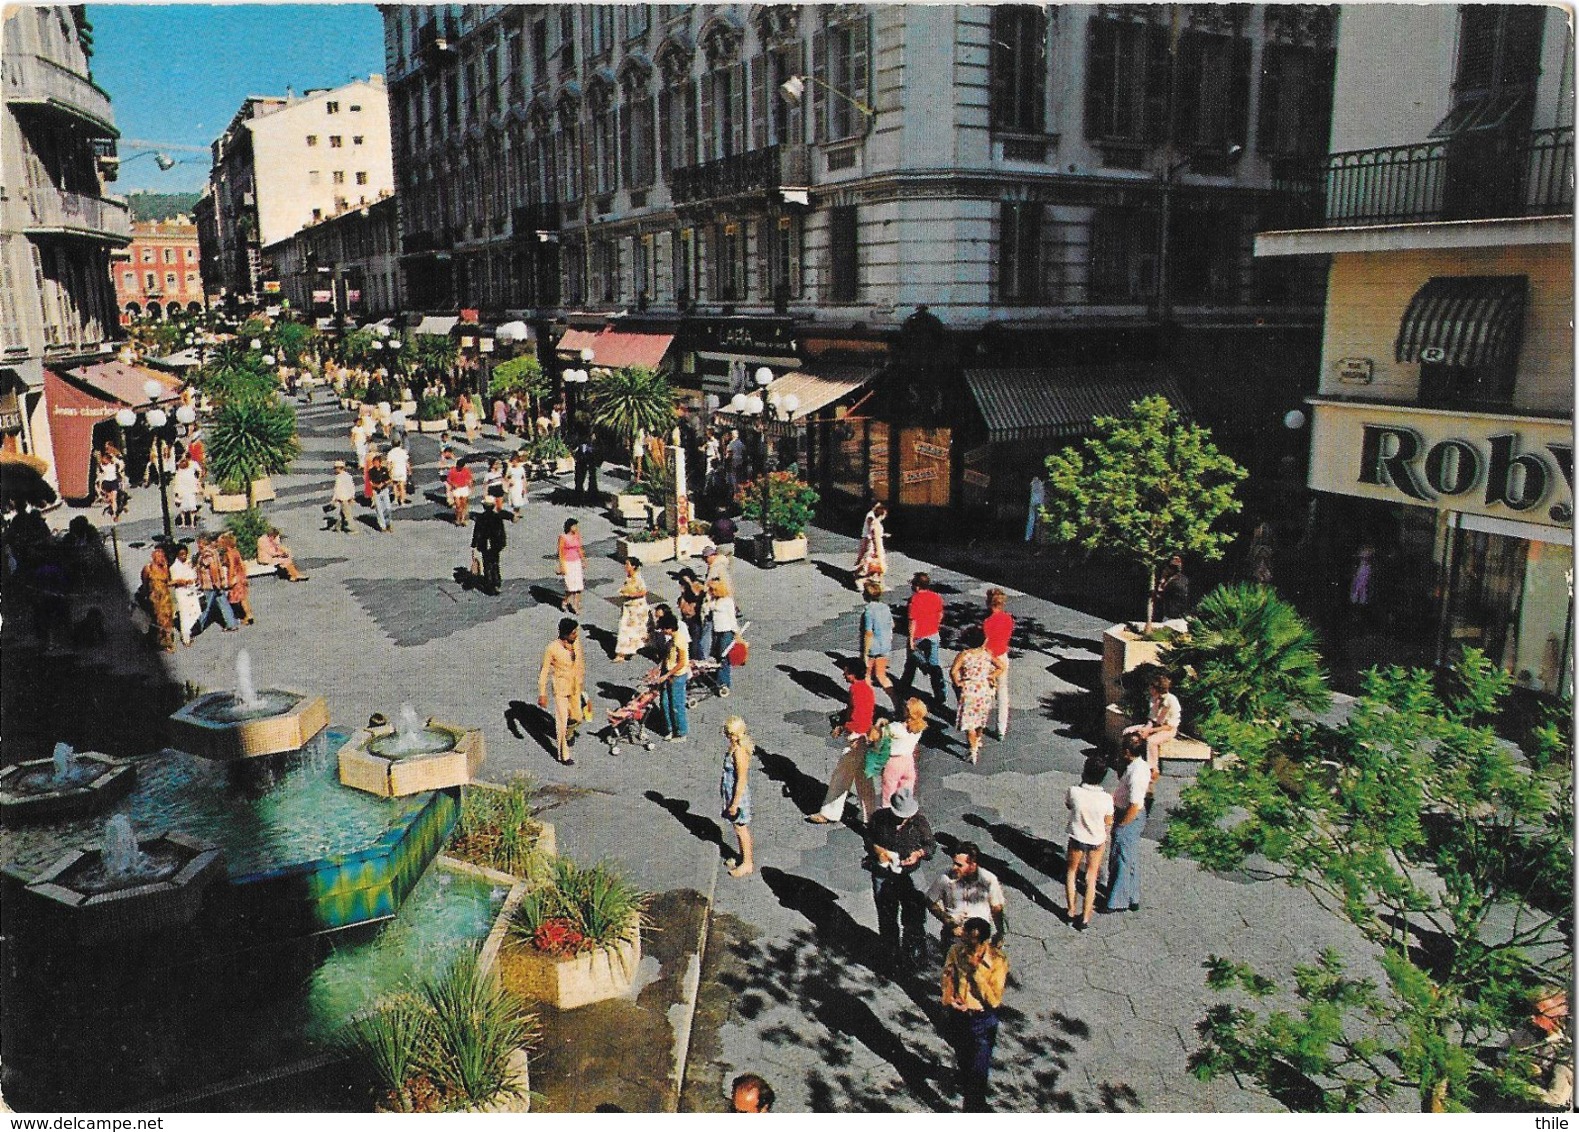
(161, 206)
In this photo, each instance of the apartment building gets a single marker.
(343, 269)
(284, 163)
(1441, 433)
(159, 274)
(1070, 192)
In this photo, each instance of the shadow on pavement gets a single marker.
(703, 829)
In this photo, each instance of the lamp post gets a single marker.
(767, 406)
(157, 420)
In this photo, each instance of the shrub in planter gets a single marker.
(250, 438)
(578, 938)
(790, 504)
(475, 1026)
(386, 1043)
(433, 407)
(549, 447)
(499, 829)
(248, 526)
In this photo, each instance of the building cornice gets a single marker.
(1443, 235)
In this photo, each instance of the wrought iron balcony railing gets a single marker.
(1473, 176)
(741, 174)
(55, 212)
(526, 221)
(34, 81)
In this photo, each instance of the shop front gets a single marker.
(719, 357)
(1469, 514)
(82, 406)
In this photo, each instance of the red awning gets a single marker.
(79, 401)
(618, 349)
(575, 340)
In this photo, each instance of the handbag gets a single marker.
(586, 708)
(877, 755)
(739, 653)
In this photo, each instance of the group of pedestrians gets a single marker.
(182, 592)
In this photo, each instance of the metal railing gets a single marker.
(52, 211)
(1469, 177)
(33, 79)
(741, 174)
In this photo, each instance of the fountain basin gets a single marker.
(26, 792)
(83, 907)
(445, 755)
(219, 726)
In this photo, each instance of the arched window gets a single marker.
(676, 108)
(604, 163)
(637, 139)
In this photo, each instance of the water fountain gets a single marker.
(249, 722)
(67, 783)
(126, 887)
(410, 756)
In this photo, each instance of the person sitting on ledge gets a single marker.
(273, 552)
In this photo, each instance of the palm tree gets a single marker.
(631, 402)
(249, 438)
(1248, 655)
(435, 354)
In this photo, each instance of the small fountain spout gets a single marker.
(122, 858)
(245, 691)
(408, 730)
(66, 763)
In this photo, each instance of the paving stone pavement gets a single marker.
(1101, 1020)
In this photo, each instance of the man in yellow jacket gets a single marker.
(974, 975)
(565, 671)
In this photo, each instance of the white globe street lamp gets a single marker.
(257, 343)
(157, 418)
(268, 359)
(737, 403)
(152, 389)
(185, 414)
(126, 418)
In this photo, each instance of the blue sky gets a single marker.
(178, 72)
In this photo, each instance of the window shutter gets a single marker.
(1101, 66)
(737, 119)
(1316, 116)
(766, 237)
(819, 87)
(860, 72)
(1037, 57)
(1274, 59)
(796, 234)
(1159, 78)
(689, 94)
(1477, 47)
(759, 102)
(627, 162)
(1239, 93)
(1187, 123)
(709, 117)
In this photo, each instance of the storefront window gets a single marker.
(1511, 598)
(1541, 658)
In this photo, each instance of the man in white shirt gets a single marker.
(1129, 822)
(399, 461)
(966, 892)
(343, 499)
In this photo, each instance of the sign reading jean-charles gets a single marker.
(1514, 467)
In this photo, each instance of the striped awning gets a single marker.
(1060, 402)
(1464, 320)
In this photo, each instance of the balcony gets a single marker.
(32, 81)
(753, 173)
(53, 212)
(1473, 176)
(424, 245)
(528, 221)
(438, 38)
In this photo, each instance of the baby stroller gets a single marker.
(705, 670)
(628, 723)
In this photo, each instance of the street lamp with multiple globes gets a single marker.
(157, 420)
(574, 379)
(770, 407)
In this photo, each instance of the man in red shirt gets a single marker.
(851, 767)
(926, 647)
(999, 627)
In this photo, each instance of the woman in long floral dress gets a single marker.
(161, 602)
(975, 675)
(633, 614)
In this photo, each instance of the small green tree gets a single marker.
(251, 437)
(1415, 822)
(632, 401)
(1248, 654)
(1145, 486)
(357, 348)
(521, 375)
(291, 341)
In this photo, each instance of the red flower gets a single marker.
(558, 937)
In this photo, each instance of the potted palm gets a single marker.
(631, 403)
(432, 354)
(576, 939)
(784, 505)
(249, 439)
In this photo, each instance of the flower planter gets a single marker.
(432, 426)
(1123, 651)
(262, 490)
(691, 545)
(790, 549)
(574, 981)
(630, 506)
(647, 553)
(409, 408)
(225, 502)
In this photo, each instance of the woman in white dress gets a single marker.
(515, 485)
(183, 584)
(188, 492)
(634, 614)
(871, 559)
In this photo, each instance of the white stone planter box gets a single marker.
(409, 408)
(432, 426)
(1123, 651)
(691, 545)
(578, 980)
(790, 550)
(1180, 749)
(262, 490)
(225, 503)
(564, 464)
(647, 553)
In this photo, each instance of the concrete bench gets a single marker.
(256, 569)
(1184, 749)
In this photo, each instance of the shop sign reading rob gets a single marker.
(1497, 470)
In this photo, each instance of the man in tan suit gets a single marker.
(565, 668)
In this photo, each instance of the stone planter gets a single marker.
(1123, 651)
(691, 545)
(518, 1074)
(225, 502)
(1181, 749)
(631, 508)
(575, 981)
(409, 408)
(790, 549)
(564, 465)
(262, 490)
(432, 426)
(362, 767)
(647, 553)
